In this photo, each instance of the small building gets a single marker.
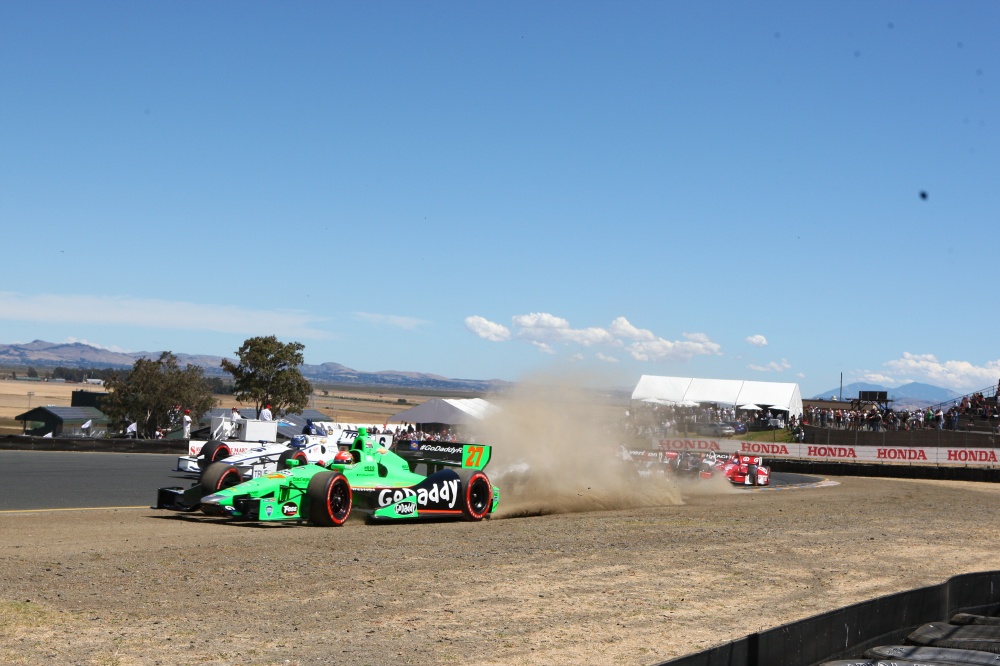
(83, 398)
(63, 421)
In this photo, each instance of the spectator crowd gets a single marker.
(961, 415)
(653, 420)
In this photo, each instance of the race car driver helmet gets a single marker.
(343, 458)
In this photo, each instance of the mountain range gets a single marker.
(40, 354)
(907, 396)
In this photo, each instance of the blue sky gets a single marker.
(493, 190)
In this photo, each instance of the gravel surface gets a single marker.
(628, 586)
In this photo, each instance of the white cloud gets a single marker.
(757, 340)
(398, 321)
(540, 320)
(156, 313)
(545, 331)
(773, 366)
(623, 329)
(956, 375)
(487, 329)
(695, 344)
(543, 327)
(876, 378)
(544, 347)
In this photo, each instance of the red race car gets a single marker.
(745, 470)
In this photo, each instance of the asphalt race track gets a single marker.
(789, 479)
(38, 480)
(73, 480)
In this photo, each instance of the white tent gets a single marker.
(449, 411)
(777, 395)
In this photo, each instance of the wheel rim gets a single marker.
(340, 500)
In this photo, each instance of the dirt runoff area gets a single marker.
(622, 586)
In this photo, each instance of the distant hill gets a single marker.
(850, 391)
(908, 396)
(41, 354)
(70, 355)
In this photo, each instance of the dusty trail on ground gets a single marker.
(628, 586)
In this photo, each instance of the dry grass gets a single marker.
(14, 398)
(349, 405)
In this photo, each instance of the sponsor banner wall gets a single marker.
(916, 455)
(696, 444)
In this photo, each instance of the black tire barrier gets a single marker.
(968, 618)
(849, 631)
(894, 662)
(983, 637)
(932, 655)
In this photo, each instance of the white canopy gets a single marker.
(449, 411)
(776, 395)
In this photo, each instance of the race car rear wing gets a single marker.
(750, 460)
(449, 454)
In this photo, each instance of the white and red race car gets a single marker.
(744, 470)
(738, 468)
(251, 446)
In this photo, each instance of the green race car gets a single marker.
(379, 482)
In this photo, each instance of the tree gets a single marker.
(268, 374)
(154, 394)
(219, 386)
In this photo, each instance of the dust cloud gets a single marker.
(556, 449)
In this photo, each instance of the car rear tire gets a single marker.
(477, 495)
(330, 499)
(292, 454)
(213, 452)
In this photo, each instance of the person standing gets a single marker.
(265, 414)
(186, 420)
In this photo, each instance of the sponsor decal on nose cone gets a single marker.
(406, 508)
(289, 508)
(268, 510)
